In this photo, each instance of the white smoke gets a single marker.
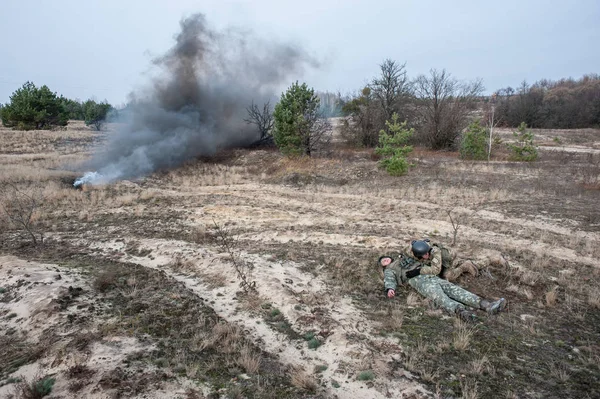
(89, 178)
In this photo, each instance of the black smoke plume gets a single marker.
(198, 102)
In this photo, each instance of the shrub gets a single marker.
(95, 113)
(73, 108)
(392, 145)
(367, 375)
(34, 108)
(474, 142)
(299, 129)
(36, 389)
(523, 149)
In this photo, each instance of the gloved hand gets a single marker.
(413, 273)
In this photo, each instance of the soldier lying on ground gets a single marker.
(422, 274)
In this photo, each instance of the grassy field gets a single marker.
(136, 289)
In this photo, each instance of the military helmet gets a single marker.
(420, 248)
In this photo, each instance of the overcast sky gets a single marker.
(103, 49)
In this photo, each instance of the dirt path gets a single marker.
(307, 303)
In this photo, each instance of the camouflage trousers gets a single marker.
(443, 293)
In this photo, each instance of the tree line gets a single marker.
(434, 110)
(563, 104)
(32, 107)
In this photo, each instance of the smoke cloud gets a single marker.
(197, 103)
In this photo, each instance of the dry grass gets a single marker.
(227, 337)
(594, 297)
(430, 375)
(551, 297)
(413, 299)
(462, 335)
(530, 278)
(302, 380)
(560, 371)
(249, 360)
(479, 365)
(394, 318)
(469, 388)
(35, 389)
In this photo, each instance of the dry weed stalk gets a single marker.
(21, 209)
(458, 220)
(242, 268)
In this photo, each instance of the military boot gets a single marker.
(466, 315)
(493, 307)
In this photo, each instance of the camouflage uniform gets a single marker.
(443, 293)
(443, 263)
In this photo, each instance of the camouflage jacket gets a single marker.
(395, 273)
(433, 265)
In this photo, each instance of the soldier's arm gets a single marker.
(435, 266)
(390, 279)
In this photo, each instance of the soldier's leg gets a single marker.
(430, 287)
(461, 266)
(460, 294)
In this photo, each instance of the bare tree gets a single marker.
(492, 120)
(263, 119)
(362, 126)
(20, 208)
(443, 107)
(316, 134)
(391, 87)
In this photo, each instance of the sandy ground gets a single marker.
(299, 238)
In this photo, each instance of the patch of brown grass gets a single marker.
(249, 360)
(594, 297)
(105, 280)
(480, 365)
(302, 380)
(469, 389)
(551, 297)
(530, 278)
(413, 299)
(462, 335)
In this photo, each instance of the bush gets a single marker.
(95, 113)
(73, 108)
(34, 108)
(299, 128)
(36, 389)
(392, 145)
(395, 165)
(523, 149)
(366, 375)
(474, 142)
